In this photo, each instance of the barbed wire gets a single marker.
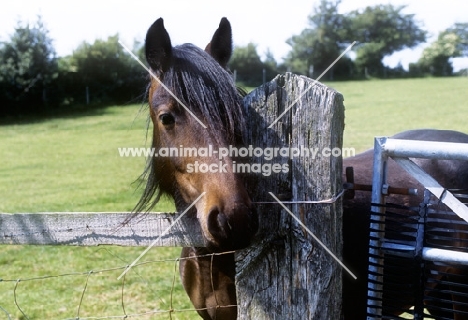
(88, 275)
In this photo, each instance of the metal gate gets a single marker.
(418, 256)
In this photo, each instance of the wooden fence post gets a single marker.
(286, 274)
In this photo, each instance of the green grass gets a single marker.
(385, 107)
(72, 164)
(90, 273)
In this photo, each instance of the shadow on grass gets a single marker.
(65, 112)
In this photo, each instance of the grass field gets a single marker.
(386, 107)
(72, 164)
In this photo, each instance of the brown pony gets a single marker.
(205, 92)
(450, 174)
(195, 104)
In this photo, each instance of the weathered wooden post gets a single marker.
(286, 274)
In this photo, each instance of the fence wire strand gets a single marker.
(16, 300)
(88, 278)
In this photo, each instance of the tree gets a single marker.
(315, 48)
(28, 68)
(249, 67)
(436, 59)
(461, 30)
(382, 30)
(105, 71)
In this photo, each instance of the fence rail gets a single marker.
(98, 228)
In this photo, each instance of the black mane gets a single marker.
(210, 93)
(201, 83)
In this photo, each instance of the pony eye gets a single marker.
(167, 119)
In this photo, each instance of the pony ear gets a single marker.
(220, 47)
(158, 47)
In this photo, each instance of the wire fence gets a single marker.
(151, 290)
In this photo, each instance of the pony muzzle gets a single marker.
(232, 229)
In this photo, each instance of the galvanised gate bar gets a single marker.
(419, 250)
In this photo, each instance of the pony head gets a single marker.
(195, 107)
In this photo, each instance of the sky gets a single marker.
(267, 23)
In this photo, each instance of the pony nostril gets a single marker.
(233, 230)
(223, 222)
(218, 225)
